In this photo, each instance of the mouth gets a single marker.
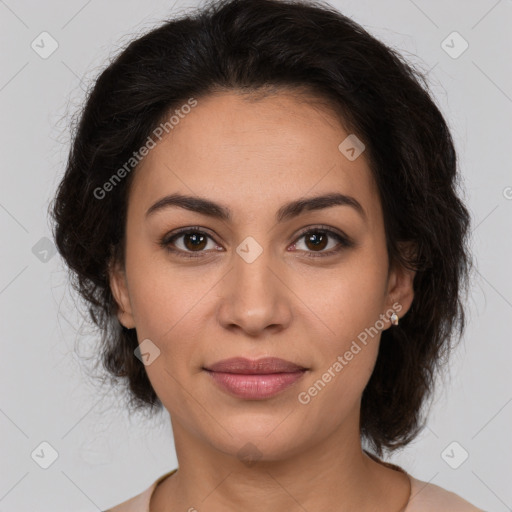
(255, 379)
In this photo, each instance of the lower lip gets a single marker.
(255, 387)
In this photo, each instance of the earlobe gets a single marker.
(119, 288)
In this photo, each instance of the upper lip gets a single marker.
(265, 365)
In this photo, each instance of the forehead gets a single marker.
(250, 152)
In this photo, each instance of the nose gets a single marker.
(255, 298)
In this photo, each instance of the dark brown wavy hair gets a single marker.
(264, 46)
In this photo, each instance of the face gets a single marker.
(311, 286)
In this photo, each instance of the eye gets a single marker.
(188, 241)
(319, 238)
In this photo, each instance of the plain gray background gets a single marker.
(104, 457)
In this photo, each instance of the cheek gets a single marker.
(173, 308)
(166, 308)
(347, 299)
(348, 304)
(161, 295)
(344, 360)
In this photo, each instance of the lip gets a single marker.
(255, 379)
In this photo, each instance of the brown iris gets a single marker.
(194, 241)
(318, 239)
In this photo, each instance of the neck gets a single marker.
(333, 475)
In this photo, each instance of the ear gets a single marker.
(119, 288)
(400, 291)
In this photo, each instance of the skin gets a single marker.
(254, 156)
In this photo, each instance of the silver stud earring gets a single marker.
(394, 318)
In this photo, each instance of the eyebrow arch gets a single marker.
(286, 212)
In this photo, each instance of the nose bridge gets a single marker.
(252, 266)
(254, 297)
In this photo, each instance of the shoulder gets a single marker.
(140, 502)
(427, 497)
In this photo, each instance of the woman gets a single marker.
(260, 209)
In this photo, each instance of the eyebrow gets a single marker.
(286, 212)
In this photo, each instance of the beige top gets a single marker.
(425, 497)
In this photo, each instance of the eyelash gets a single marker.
(343, 241)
